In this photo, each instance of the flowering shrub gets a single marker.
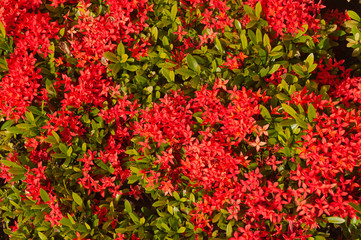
(178, 120)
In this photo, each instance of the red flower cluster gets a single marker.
(289, 16)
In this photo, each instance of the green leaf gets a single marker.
(111, 56)
(115, 68)
(185, 72)
(44, 195)
(170, 209)
(277, 48)
(29, 116)
(10, 164)
(56, 136)
(134, 217)
(154, 34)
(7, 124)
(2, 29)
(169, 75)
(176, 196)
(335, 220)
(258, 9)
(309, 60)
(248, 9)
(298, 69)
(66, 222)
(77, 199)
(181, 230)
(173, 11)
(127, 206)
(218, 45)
(258, 36)
(311, 112)
(301, 123)
(229, 229)
(42, 236)
(266, 40)
(355, 206)
(50, 139)
(353, 15)
(132, 68)
(265, 113)
(120, 51)
(274, 68)
(159, 203)
(63, 148)
(15, 130)
(244, 41)
(192, 63)
(216, 217)
(288, 109)
(252, 36)
(165, 226)
(238, 25)
(69, 151)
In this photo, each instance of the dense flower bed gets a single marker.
(165, 119)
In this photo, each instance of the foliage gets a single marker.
(167, 119)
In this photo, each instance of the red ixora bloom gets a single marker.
(234, 62)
